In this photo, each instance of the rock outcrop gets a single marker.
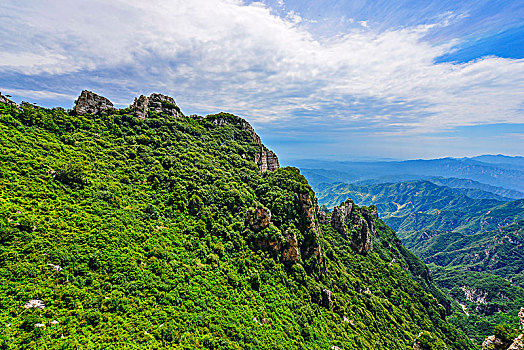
(310, 246)
(157, 103)
(327, 301)
(7, 101)
(521, 318)
(258, 218)
(494, 343)
(356, 224)
(291, 252)
(265, 159)
(90, 103)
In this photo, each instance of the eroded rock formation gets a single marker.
(90, 103)
(494, 343)
(291, 252)
(157, 103)
(356, 224)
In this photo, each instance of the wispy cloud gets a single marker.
(227, 55)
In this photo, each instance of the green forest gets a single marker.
(162, 232)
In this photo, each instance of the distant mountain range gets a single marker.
(463, 217)
(494, 170)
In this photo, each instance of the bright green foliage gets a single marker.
(132, 233)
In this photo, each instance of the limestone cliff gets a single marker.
(356, 224)
(157, 103)
(90, 103)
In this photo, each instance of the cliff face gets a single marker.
(157, 103)
(356, 224)
(266, 160)
(90, 103)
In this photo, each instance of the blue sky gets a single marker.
(319, 79)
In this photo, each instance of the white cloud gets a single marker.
(226, 55)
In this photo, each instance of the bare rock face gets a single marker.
(493, 343)
(158, 103)
(327, 302)
(266, 160)
(90, 103)
(291, 253)
(340, 215)
(310, 245)
(356, 224)
(518, 344)
(258, 218)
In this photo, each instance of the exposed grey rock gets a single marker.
(158, 103)
(355, 224)
(291, 252)
(90, 103)
(340, 215)
(518, 343)
(265, 159)
(326, 298)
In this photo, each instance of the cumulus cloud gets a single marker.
(228, 55)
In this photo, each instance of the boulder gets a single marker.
(90, 103)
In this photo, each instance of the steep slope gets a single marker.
(145, 228)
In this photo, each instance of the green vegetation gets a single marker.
(475, 246)
(120, 232)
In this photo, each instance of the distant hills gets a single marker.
(463, 217)
(494, 170)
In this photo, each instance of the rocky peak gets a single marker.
(158, 103)
(90, 103)
(265, 159)
(356, 224)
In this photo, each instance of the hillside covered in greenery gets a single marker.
(145, 228)
(475, 247)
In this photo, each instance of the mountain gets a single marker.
(421, 205)
(145, 228)
(493, 174)
(474, 247)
